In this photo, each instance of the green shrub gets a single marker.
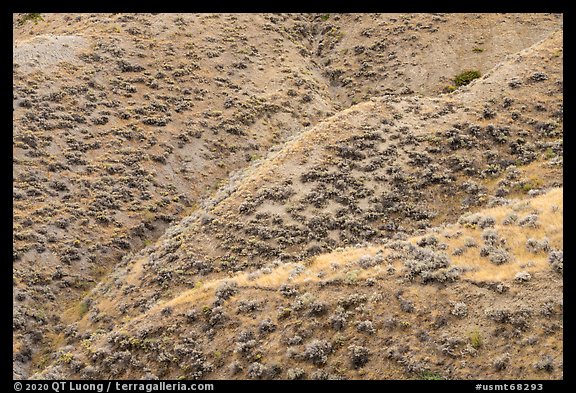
(30, 17)
(325, 17)
(66, 357)
(466, 77)
(528, 185)
(82, 308)
(475, 339)
(431, 376)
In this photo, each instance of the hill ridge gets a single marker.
(181, 149)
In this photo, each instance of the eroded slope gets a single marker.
(385, 169)
(424, 307)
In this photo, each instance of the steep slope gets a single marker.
(121, 125)
(425, 308)
(365, 55)
(388, 168)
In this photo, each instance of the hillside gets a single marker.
(287, 196)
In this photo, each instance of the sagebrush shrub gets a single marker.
(317, 351)
(556, 260)
(359, 355)
(501, 362)
(459, 309)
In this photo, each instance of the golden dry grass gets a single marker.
(551, 225)
(550, 209)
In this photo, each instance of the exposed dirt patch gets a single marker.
(44, 52)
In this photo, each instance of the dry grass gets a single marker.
(476, 267)
(551, 224)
